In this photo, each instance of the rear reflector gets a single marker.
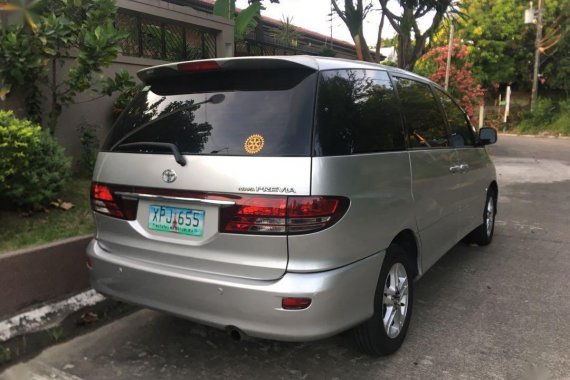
(292, 303)
(198, 66)
(282, 215)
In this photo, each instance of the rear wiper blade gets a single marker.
(173, 148)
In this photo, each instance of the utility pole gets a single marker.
(449, 52)
(331, 24)
(534, 93)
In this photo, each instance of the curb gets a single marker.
(536, 136)
(39, 274)
(28, 334)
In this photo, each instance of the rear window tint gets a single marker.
(357, 112)
(265, 113)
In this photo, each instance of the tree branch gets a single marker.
(435, 23)
(379, 40)
(416, 29)
(392, 18)
(339, 12)
(420, 14)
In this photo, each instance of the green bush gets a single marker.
(33, 166)
(564, 106)
(90, 143)
(547, 117)
(561, 124)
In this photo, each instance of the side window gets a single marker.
(461, 130)
(425, 123)
(357, 112)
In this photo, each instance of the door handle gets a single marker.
(463, 167)
(454, 169)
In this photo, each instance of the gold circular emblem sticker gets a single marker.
(253, 144)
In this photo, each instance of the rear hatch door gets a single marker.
(194, 143)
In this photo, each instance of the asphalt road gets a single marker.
(497, 312)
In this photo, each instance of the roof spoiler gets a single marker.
(150, 74)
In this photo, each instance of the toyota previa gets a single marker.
(288, 198)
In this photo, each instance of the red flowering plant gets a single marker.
(462, 84)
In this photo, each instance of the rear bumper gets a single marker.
(341, 298)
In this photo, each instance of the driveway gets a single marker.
(497, 312)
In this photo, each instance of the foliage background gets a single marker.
(462, 84)
(33, 166)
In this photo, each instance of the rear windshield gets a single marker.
(264, 113)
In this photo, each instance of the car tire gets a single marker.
(384, 333)
(483, 235)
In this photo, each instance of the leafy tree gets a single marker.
(502, 46)
(79, 33)
(353, 17)
(462, 84)
(245, 20)
(410, 48)
(287, 34)
(556, 50)
(325, 51)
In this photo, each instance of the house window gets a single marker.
(155, 38)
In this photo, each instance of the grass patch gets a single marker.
(548, 118)
(559, 126)
(20, 230)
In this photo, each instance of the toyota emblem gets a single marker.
(169, 176)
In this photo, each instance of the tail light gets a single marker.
(105, 202)
(251, 214)
(282, 215)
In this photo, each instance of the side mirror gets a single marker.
(487, 136)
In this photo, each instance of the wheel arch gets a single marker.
(408, 240)
(495, 187)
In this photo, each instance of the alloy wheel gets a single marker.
(395, 300)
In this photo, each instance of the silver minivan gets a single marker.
(288, 198)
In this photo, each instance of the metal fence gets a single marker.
(160, 39)
(252, 47)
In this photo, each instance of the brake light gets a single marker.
(282, 215)
(198, 66)
(104, 202)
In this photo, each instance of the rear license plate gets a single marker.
(183, 221)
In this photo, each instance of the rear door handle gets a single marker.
(463, 167)
(454, 169)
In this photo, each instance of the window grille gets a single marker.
(161, 39)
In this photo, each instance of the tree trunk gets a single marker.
(353, 19)
(358, 47)
(55, 109)
(379, 40)
(409, 51)
(362, 50)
